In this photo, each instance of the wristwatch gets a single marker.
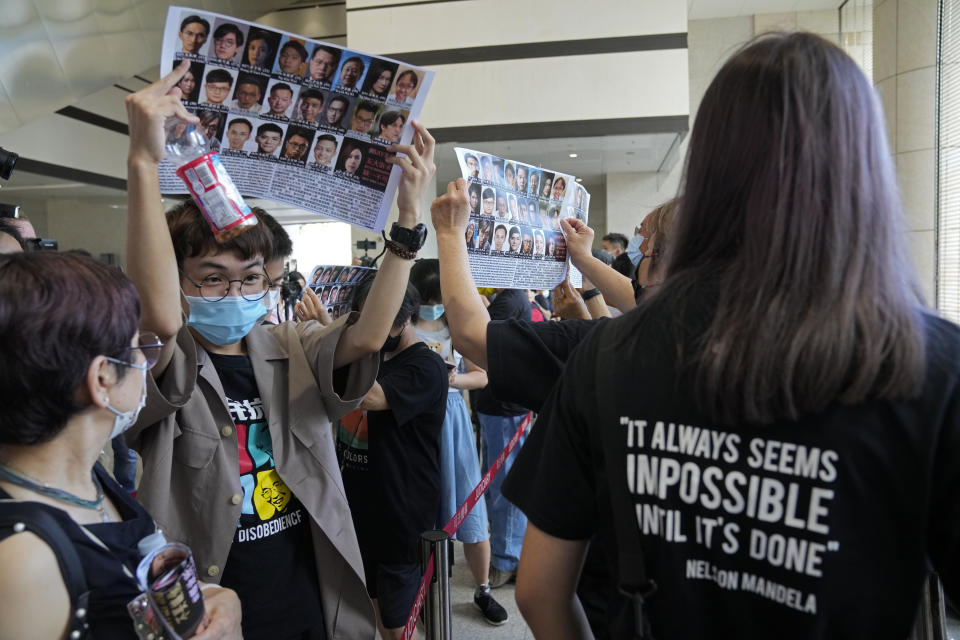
(410, 239)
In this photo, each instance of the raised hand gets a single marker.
(148, 109)
(567, 302)
(310, 308)
(418, 168)
(579, 238)
(451, 211)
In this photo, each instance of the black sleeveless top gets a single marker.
(109, 571)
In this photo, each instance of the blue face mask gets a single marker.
(225, 321)
(431, 311)
(633, 249)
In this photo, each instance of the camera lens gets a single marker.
(7, 161)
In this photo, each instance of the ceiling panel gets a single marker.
(56, 52)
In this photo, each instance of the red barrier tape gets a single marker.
(457, 519)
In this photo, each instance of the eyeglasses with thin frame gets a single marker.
(149, 344)
(216, 286)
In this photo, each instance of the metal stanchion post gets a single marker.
(930, 623)
(436, 606)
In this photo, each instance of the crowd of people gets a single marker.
(761, 442)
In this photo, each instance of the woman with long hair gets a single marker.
(484, 234)
(379, 78)
(468, 236)
(351, 157)
(189, 84)
(767, 445)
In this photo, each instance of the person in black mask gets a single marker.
(391, 463)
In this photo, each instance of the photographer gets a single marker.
(293, 285)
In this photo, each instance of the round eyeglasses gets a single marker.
(149, 345)
(216, 286)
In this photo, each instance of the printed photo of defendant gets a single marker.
(486, 166)
(292, 59)
(211, 123)
(261, 48)
(193, 34)
(473, 165)
(352, 153)
(484, 235)
(228, 39)
(534, 182)
(297, 144)
(500, 239)
(538, 243)
(238, 133)
(514, 239)
(323, 63)
(487, 200)
(390, 127)
(406, 86)
(470, 234)
(473, 194)
(268, 139)
(309, 106)
(216, 87)
(189, 84)
(280, 97)
(325, 150)
(364, 115)
(248, 94)
(526, 245)
(352, 70)
(379, 78)
(546, 184)
(336, 111)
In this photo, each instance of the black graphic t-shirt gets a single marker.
(815, 528)
(271, 564)
(391, 460)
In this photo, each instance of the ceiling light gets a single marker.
(579, 179)
(573, 155)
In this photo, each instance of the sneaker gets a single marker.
(498, 578)
(490, 608)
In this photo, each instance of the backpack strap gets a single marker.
(634, 582)
(32, 517)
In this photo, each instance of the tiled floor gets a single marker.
(468, 624)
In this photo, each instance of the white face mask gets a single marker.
(272, 299)
(126, 419)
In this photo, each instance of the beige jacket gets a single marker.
(191, 481)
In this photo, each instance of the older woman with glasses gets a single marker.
(73, 376)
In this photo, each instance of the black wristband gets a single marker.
(592, 293)
(398, 249)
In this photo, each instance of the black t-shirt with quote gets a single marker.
(815, 528)
(271, 564)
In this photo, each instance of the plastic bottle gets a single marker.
(188, 149)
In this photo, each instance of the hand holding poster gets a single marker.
(295, 120)
(513, 238)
